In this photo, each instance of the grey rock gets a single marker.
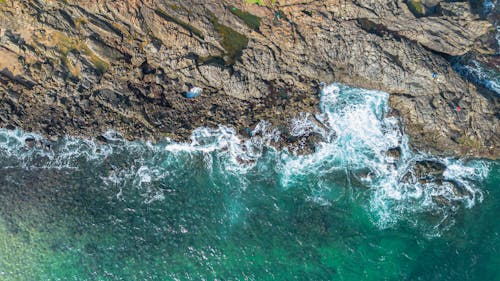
(124, 64)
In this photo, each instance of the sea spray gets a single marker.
(479, 74)
(357, 135)
(221, 207)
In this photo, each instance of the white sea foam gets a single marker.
(480, 74)
(240, 155)
(488, 6)
(357, 135)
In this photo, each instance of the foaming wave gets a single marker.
(32, 151)
(480, 74)
(361, 147)
(369, 147)
(239, 155)
(116, 162)
(357, 136)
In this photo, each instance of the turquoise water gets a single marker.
(222, 208)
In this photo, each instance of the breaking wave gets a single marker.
(480, 74)
(360, 150)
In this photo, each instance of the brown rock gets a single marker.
(127, 63)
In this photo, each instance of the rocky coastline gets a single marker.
(82, 68)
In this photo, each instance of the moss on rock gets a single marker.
(177, 21)
(250, 20)
(416, 7)
(233, 42)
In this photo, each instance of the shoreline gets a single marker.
(82, 69)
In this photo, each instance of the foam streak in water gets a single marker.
(361, 147)
(359, 141)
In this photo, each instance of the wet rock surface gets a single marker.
(84, 67)
(429, 168)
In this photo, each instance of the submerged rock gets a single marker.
(429, 168)
(394, 152)
(30, 142)
(82, 68)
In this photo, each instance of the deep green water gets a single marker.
(219, 208)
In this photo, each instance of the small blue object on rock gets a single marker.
(248, 131)
(277, 15)
(193, 93)
(434, 75)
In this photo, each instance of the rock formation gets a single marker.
(84, 67)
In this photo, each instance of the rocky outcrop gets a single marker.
(83, 67)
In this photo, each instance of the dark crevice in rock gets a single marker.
(377, 29)
(250, 20)
(100, 22)
(67, 17)
(17, 79)
(193, 30)
(406, 95)
(211, 60)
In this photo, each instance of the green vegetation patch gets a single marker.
(211, 60)
(233, 42)
(65, 45)
(101, 65)
(177, 21)
(261, 2)
(416, 7)
(250, 20)
(470, 141)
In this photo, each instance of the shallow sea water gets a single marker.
(222, 208)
